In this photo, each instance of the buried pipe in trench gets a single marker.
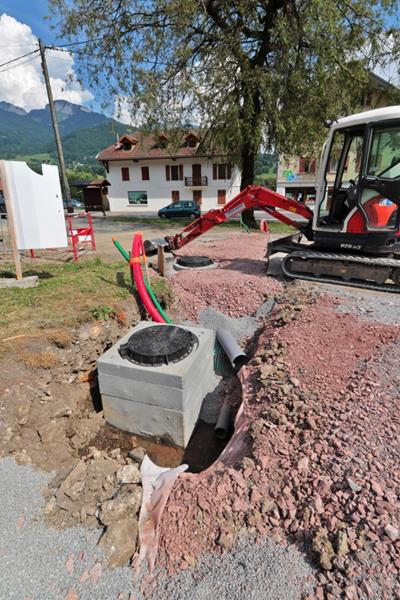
(223, 423)
(235, 354)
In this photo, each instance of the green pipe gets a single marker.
(146, 282)
(121, 249)
(156, 302)
(243, 224)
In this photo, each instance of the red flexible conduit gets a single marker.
(137, 276)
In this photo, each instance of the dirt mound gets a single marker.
(51, 418)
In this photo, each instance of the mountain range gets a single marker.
(29, 135)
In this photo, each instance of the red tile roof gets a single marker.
(148, 146)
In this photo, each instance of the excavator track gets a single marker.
(381, 274)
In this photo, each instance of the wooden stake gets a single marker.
(161, 260)
(11, 221)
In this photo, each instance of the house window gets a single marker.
(191, 141)
(307, 165)
(197, 196)
(145, 174)
(137, 198)
(222, 171)
(174, 172)
(221, 195)
(175, 195)
(125, 173)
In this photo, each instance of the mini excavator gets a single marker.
(353, 233)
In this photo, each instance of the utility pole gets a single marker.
(57, 137)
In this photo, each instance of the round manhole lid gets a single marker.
(158, 345)
(194, 261)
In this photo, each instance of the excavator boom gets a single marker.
(302, 261)
(252, 197)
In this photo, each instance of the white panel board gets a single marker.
(37, 205)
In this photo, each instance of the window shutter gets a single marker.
(167, 173)
(221, 196)
(181, 172)
(313, 165)
(301, 165)
(215, 171)
(145, 173)
(229, 171)
(125, 173)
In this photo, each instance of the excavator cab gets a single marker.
(358, 195)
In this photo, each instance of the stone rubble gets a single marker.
(323, 473)
(102, 490)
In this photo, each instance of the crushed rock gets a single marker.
(260, 571)
(237, 287)
(323, 471)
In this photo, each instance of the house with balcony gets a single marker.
(147, 172)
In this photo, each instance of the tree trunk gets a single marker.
(248, 161)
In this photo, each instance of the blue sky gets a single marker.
(31, 12)
(21, 84)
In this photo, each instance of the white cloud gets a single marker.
(123, 112)
(24, 85)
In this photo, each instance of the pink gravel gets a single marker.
(237, 287)
(323, 473)
(233, 246)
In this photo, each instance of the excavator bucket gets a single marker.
(151, 246)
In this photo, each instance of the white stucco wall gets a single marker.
(159, 189)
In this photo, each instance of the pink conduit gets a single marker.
(137, 276)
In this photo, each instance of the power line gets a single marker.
(18, 58)
(18, 45)
(20, 64)
(60, 46)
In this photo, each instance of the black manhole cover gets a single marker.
(158, 345)
(194, 261)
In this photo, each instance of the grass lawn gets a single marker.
(274, 227)
(68, 294)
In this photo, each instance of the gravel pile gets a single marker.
(234, 293)
(237, 287)
(266, 571)
(324, 469)
(234, 246)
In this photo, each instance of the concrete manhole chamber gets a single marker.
(202, 263)
(154, 379)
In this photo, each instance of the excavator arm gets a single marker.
(252, 197)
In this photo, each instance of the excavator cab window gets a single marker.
(380, 188)
(345, 157)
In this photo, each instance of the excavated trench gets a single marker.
(135, 364)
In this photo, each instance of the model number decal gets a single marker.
(351, 246)
(234, 211)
